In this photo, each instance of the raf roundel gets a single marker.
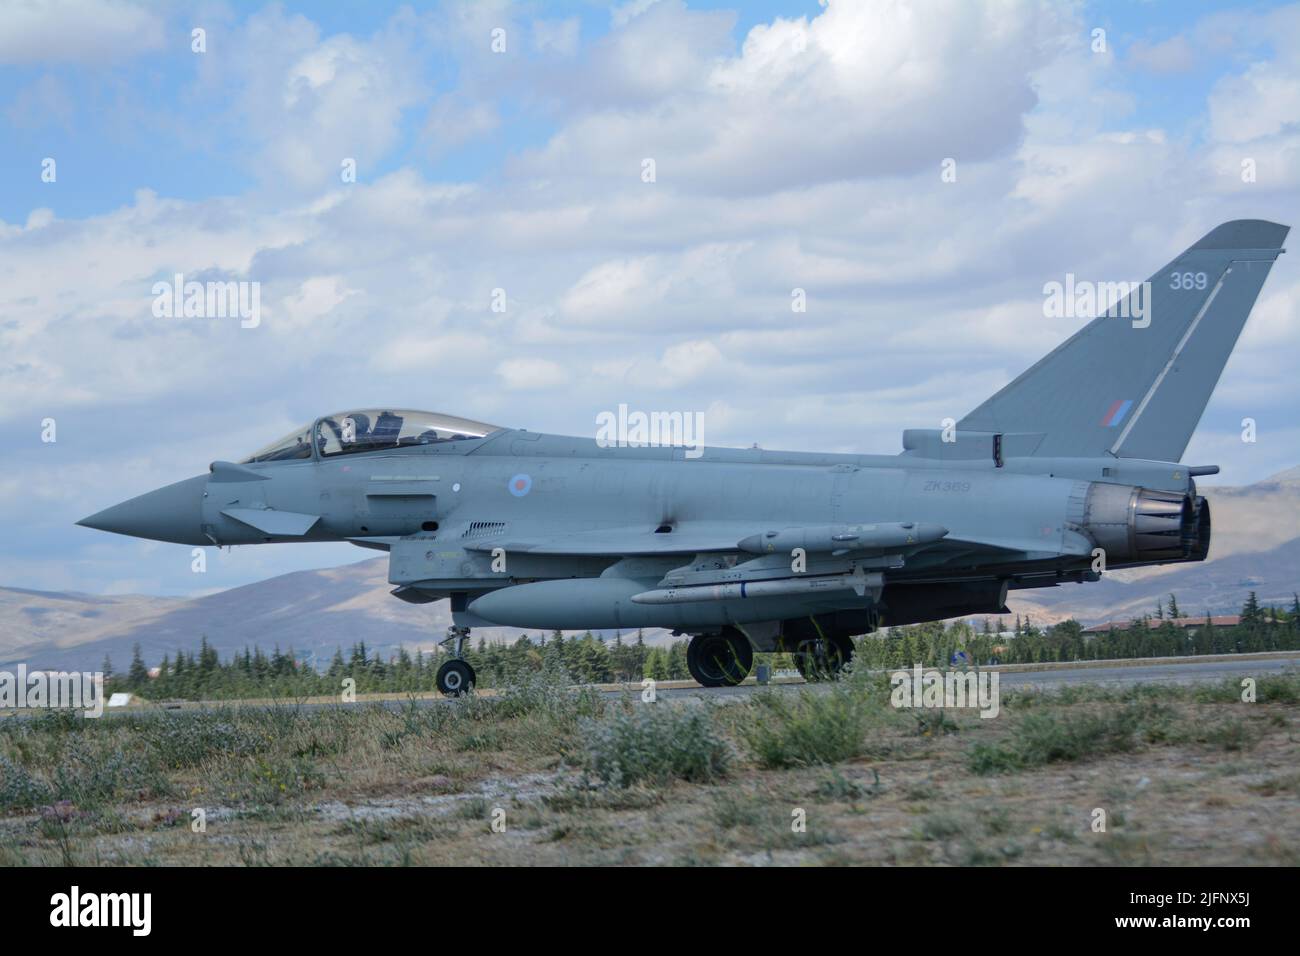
(520, 485)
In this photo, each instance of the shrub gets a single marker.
(88, 776)
(1229, 734)
(18, 788)
(1043, 738)
(549, 693)
(547, 710)
(816, 727)
(656, 743)
(186, 740)
(1276, 689)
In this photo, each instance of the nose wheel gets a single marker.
(455, 676)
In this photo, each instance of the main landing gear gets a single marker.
(720, 660)
(455, 676)
(822, 658)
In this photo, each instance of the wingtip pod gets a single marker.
(1244, 234)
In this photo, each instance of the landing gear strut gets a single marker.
(822, 658)
(455, 676)
(720, 660)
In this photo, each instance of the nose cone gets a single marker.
(173, 513)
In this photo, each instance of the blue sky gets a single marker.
(797, 145)
(150, 124)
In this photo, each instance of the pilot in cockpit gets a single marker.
(384, 429)
(356, 431)
(351, 432)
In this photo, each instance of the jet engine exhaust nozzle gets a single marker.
(1139, 525)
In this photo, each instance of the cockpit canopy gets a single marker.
(374, 429)
(371, 429)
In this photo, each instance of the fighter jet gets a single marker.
(1069, 471)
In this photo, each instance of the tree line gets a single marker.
(202, 675)
(1150, 635)
(589, 659)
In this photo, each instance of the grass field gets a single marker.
(547, 774)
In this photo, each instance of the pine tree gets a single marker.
(677, 667)
(337, 665)
(107, 667)
(656, 665)
(1251, 614)
(1174, 612)
(208, 659)
(137, 674)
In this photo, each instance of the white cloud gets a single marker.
(88, 32)
(1174, 55)
(620, 14)
(557, 36)
(861, 90)
(656, 285)
(45, 101)
(308, 103)
(316, 297)
(531, 373)
(456, 119)
(1262, 101)
(679, 364)
(1254, 114)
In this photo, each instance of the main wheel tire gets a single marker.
(720, 660)
(455, 677)
(823, 658)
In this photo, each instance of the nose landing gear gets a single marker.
(455, 676)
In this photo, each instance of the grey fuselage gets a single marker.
(547, 531)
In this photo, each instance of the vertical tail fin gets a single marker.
(1133, 383)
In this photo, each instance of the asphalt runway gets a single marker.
(1155, 672)
(1115, 676)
